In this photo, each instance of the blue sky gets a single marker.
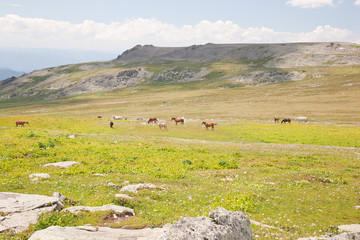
(109, 25)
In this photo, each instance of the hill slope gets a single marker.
(215, 65)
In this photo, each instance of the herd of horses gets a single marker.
(163, 125)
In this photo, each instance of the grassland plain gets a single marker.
(302, 179)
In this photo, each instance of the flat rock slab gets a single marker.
(37, 176)
(136, 187)
(95, 233)
(123, 196)
(350, 228)
(109, 207)
(61, 164)
(24, 209)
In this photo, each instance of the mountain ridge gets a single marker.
(216, 65)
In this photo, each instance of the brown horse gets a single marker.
(209, 124)
(276, 120)
(163, 126)
(152, 120)
(178, 120)
(21, 123)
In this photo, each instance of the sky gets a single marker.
(118, 25)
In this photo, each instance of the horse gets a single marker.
(111, 124)
(178, 120)
(301, 119)
(209, 124)
(276, 120)
(163, 126)
(21, 123)
(285, 120)
(99, 116)
(153, 120)
(116, 117)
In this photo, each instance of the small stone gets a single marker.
(72, 136)
(59, 196)
(136, 187)
(123, 196)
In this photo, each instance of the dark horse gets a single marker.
(152, 120)
(178, 120)
(209, 124)
(276, 119)
(286, 120)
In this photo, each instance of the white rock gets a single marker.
(37, 176)
(72, 136)
(61, 164)
(136, 187)
(95, 233)
(124, 196)
(109, 207)
(349, 228)
(24, 209)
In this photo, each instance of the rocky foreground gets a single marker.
(21, 210)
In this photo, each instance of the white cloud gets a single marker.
(16, 31)
(357, 2)
(310, 3)
(11, 5)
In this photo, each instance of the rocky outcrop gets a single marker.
(21, 210)
(222, 224)
(268, 77)
(185, 75)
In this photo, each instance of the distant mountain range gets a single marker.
(30, 59)
(7, 73)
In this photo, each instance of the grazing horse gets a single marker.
(163, 126)
(301, 119)
(285, 120)
(152, 120)
(209, 124)
(276, 120)
(99, 116)
(116, 117)
(21, 123)
(178, 120)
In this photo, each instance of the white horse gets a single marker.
(301, 119)
(163, 125)
(116, 117)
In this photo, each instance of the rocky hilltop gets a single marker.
(234, 65)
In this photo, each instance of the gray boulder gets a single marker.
(21, 210)
(222, 225)
(94, 233)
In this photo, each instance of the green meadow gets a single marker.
(303, 179)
